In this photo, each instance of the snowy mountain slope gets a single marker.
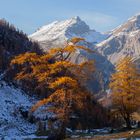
(124, 41)
(12, 123)
(59, 31)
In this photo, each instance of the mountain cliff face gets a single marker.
(123, 41)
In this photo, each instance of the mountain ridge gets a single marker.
(64, 30)
(124, 41)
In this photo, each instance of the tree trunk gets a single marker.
(62, 132)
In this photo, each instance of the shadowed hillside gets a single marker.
(12, 43)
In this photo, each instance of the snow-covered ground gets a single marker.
(12, 123)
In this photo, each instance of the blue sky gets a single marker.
(102, 15)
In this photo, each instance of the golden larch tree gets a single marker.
(62, 77)
(125, 88)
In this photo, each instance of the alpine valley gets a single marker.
(108, 48)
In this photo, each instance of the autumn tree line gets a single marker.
(61, 85)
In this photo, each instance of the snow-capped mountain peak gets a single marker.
(75, 19)
(59, 28)
(60, 31)
(131, 25)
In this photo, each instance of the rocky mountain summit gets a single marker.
(58, 32)
(123, 41)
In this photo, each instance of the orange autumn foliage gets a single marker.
(125, 87)
(64, 78)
